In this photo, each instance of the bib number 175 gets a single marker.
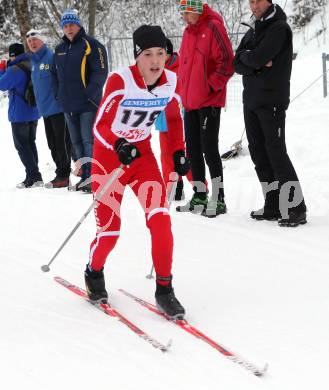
(135, 118)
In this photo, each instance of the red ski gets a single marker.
(109, 310)
(195, 332)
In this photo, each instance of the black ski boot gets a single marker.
(265, 214)
(167, 302)
(95, 285)
(294, 219)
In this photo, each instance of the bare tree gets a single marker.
(92, 17)
(23, 17)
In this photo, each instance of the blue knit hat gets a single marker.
(70, 16)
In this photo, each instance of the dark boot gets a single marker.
(294, 219)
(167, 302)
(76, 187)
(95, 285)
(34, 181)
(87, 189)
(265, 214)
(23, 184)
(58, 182)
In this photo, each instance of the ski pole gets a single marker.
(170, 200)
(98, 196)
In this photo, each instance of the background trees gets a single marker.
(118, 18)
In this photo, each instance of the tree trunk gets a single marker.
(23, 17)
(92, 16)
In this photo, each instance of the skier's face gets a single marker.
(151, 63)
(71, 30)
(34, 44)
(258, 7)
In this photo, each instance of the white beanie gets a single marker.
(35, 34)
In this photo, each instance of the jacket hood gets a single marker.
(207, 15)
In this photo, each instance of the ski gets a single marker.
(109, 310)
(183, 324)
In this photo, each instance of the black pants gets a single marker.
(265, 127)
(24, 134)
(201, 133)
(59, 143)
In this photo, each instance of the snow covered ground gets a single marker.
(258, 289)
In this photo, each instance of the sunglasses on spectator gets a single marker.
(32, 34)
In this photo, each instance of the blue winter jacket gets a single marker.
(15, 80)
(43, 82)
(81, 69)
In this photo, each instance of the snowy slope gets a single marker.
(259, 289)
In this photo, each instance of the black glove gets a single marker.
(181, 162)
(127, 152)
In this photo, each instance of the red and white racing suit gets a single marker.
(128, 110)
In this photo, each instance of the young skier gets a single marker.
(134, 97)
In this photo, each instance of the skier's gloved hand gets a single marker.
(127, 152)
(181, 163)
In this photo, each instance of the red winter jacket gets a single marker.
(206, 62)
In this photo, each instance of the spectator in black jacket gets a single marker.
(264, 58)
(81, 69)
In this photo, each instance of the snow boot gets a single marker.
(294, 219)
(167, 302)
(31, 182)
(58, 182)
(22, 184)
(86, 189)
(95, 285)
(214, 208)
(77, 186)
(265, 214)
(196, 205)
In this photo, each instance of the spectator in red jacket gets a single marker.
(206, 65)
(162, 125)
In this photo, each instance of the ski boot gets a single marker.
(166, 300)
(95, 285)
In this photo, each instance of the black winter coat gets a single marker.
(269, 40)
(81, 70)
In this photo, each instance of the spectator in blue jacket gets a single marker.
(23, 118)
(81, 69)
(58, 137)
